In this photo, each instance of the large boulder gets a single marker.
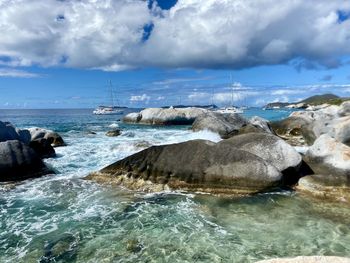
(197, 165)
(226, 125)
(43, 147)
(308, 259)
(344, 109)
(330, 159)
(9, 132)
(18, 161)
(338, 128)
(270, 148)
(168, 116)
(256, 125)
(295, 129)
(39, 133)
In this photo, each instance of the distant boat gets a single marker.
(108, 110)
(230, 109)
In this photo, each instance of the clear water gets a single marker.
(63, 218)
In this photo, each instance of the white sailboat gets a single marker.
(108, 110)
(230, 109)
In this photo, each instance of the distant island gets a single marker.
(210, 106)
(316, 100)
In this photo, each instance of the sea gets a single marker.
(64, 218)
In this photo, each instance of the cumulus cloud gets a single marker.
(138, 98)
(110, 35)
(14, 73)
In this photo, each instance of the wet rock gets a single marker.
(143, 144)
(18, 162)
(196, 165)
(322, 186)
(39, 133)
(43, 147)
(91, 133)
(160, 116)
(308, 259)
(113, 133)
(9, 132)
(330, 158)
(226, 125)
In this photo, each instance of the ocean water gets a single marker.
(64, 218)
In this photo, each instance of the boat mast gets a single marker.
(111, 91)
(231, 90)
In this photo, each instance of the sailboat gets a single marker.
(230, 109)
(108, 110)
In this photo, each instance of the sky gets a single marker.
(64, 53)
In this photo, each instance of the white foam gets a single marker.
(114, 125)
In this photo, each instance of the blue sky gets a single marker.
(193, 52)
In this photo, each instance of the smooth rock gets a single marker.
(330, 158)
(226, 125)
(9, 132)
(18, 161)
(168, 116)
(322, 186)
(270, 148)
(295, 129)
(133, 117)
(308, 259)
(43, 147)
(344, 109)
(262, 124)
(197, 166)
(39, 133)
(113, 133)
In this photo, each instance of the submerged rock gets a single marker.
(201, 165)
(18, 161)
(308, 259)
(168, 116)
(39, 133)
(226, 125)
(113, 133)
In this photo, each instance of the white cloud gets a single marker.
(143, 97)
(109, 34)
(14, 73)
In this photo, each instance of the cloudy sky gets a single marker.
(63, 53)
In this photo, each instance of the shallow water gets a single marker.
(63, 218)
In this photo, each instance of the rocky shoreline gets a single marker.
(254, 155)
(22, 151)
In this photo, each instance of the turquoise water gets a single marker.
(63, 218)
